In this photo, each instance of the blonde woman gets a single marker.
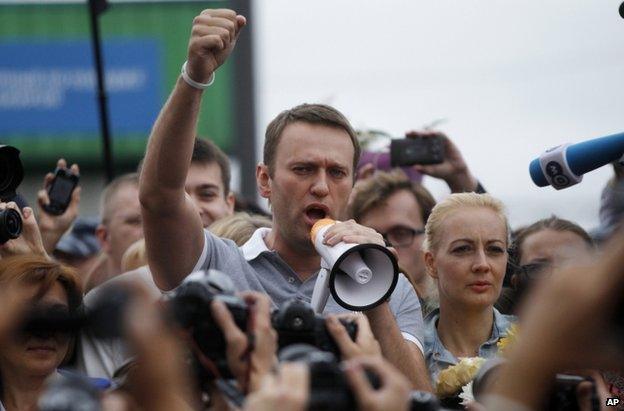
(465, 246)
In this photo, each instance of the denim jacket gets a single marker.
(438, 357)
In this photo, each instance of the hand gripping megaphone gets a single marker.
(358, 276)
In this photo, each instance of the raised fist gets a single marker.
(213, 38)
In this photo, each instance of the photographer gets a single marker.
(307, 174)
(573, 321)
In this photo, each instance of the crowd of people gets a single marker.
(537, 306)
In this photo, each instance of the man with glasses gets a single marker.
(398, 208)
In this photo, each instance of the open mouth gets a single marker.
(316, 212)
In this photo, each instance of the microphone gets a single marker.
(563, 166)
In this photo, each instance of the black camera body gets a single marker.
(11, 175)
(329, 388)
(295, 322)
(416, 150)
(11, 172)
(562, 395)
(191, 307)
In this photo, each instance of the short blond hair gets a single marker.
(134, 257)
(110, 191)
(456, 202)
(239, 227)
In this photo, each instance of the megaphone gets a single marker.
(358, 276)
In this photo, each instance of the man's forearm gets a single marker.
(463, 182)
(170, 148)
(402, 354)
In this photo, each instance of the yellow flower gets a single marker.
(504, 343)
(452, 379)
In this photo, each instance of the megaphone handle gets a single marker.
(321, 291)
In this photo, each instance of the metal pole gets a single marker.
(96, 7)
(244, 103)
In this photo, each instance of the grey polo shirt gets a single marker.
(254, 267)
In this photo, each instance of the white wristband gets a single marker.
(195, 84)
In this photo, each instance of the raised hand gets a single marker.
(213, 38)
(29, 241)
(393, 394)
(54, 226)
(365, 344)
(453, 170)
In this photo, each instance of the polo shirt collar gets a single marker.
(256, 245)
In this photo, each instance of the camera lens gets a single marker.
(10, 225)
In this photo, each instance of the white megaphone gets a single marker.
(358, 276)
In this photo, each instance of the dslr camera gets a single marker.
(294, 322)
(562, 395)
(11, 175)
(329, 388)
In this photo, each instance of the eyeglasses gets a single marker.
(537, 269)
(401, 236)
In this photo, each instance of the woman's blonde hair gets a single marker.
(134, 257)
(456, 202)
(239, 227)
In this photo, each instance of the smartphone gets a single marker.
(418, 150)
(60, 191)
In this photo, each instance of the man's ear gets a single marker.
(230, 200)
(263, 180)
(101, 233)
(430, 265)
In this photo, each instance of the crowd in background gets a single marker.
(531, 314)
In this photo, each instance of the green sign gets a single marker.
(48, 101)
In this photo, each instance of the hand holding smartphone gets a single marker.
(60, 191)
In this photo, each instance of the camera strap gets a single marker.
(231, 392)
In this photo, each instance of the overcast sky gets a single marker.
(512, 78)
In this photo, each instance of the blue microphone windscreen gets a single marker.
(536, 173)
(589, 155)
